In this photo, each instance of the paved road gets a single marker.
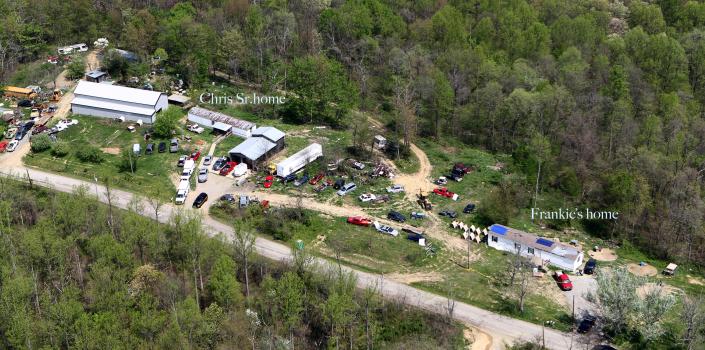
(501, 328)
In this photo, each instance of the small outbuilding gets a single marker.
(670, 270)
(380, 142)
(96, 76)
(179, 100)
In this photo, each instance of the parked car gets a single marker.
(181, 161)
(25, 103)
(441, 181)
(12, 145)
(347, 188)
(195, 128)
(386, 229)
(316, 179)
(229, 166)
(173, 146)
(20, 134)
(359, 220)
(367, 197)
(395, 188)
(443, 191)
(338, 184)
(200, 200)
(396, 216)
(289, 178)
(39, 129)
(219, 163)
(358, 165)
(3, 146)
(149, 149)
(10, 133)
(161, 148)
(449, 213)
(417, 215)
(136, 149)
(268, 181)
(563, 281)
(207, 160)
(228, 198)
(469, 208)
(586, 324)
(590, 266)
(322, 187)
(203, 175)
(195, 155)
(302, 180)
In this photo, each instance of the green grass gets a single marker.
(153, 171)
(226, 144)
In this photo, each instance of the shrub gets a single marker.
(40, 143)
(60, 149)
(89, 154)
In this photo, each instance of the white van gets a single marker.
(182, 191)
(347, 188)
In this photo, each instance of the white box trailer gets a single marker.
(299, 160)
(189, 166)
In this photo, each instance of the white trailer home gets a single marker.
(221, 122)
(537, 249)
(299, 160)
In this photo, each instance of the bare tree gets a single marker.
(156, 202)
(244, 244)
(450, 301)
(524, 285)
(693, 317)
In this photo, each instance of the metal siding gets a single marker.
(83, 110)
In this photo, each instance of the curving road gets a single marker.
(502, 329)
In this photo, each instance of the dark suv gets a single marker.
(590, 266)
(396, 216)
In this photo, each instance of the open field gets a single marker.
(153, 173)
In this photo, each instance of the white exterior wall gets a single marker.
(162, 103)
(207, 123)
(507, 245)
(107, 113)
(299, 160)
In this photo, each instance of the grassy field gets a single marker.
(153, 171)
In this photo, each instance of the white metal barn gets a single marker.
(220, 121)
(538, 249)
(113, 101)
(299, 160)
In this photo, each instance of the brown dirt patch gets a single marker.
(667, 289)
(408, 278)
(695, 280)
(646, 270)
(477, 339)
(605, 254)
(111, 150)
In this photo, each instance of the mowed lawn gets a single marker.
(152, 176)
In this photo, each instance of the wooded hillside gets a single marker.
(604, 97)
(75, 273)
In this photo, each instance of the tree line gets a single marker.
(75, 273)
(598, 102)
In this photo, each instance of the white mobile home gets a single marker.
(113, 101)
(538, 249)
(220, 121)
(299, 160)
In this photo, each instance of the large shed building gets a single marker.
(265, 141)
(221, 122)
(113, 101)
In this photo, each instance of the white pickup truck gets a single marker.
(195, 128)
(189, 166)
(182, 191)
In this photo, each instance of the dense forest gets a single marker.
(599, 102)
(75, 273)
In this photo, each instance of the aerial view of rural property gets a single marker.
(352, 174)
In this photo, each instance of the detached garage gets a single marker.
(119, 102)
